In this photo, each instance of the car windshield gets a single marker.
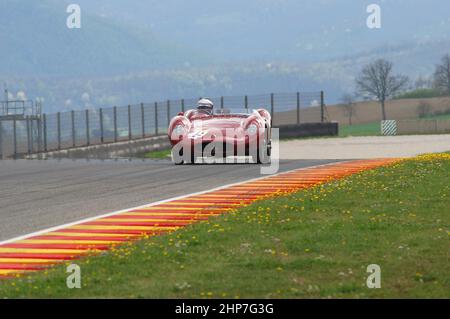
(235, 111)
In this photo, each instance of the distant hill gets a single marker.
(35, 42)
(282, 30)
(335, 77)
(120, 37)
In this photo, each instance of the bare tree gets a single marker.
(442, 75)
(348, 103)
(377, 80)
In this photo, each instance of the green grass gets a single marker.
(163, 154)
(368, 129)
(421, 94)
(314, 243)
(437, 117)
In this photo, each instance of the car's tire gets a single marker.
(263, 156)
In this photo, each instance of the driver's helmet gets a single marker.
(205, 105)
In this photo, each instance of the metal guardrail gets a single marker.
(65, 130)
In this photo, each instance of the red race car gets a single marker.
(220, 133)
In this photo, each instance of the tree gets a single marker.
(442, 75)
(348, 103)
(377, 80)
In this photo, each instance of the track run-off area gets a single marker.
(38, 251)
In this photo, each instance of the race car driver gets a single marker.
(205, 106)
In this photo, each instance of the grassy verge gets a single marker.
(368, 129)
(437, 117)
(314, 243)
(421, 94)
(163, 154)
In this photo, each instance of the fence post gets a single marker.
(102, 134)
(246, 101)
(15, 138)
(1, 140)
(58, 129)
(322, 107)
(156, 118)
(298, 107)
(39, 125)
(272, 105)
(182, 105)
(27, 129)
(143, 120)
(72, 117)
(27, 124)
(168, 112)
(130, 135)
(44, 123)
(222, 104)
(31, 136)
(115, 123)
(34, 138)
(88, 130)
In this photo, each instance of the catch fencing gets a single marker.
(66, 130)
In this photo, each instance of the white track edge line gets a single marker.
(56, 228)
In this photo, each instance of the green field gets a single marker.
(421, 94)
(314, 243)
(163, 154)
(437, 117)
(368, 129)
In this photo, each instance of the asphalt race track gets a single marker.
(36, 195)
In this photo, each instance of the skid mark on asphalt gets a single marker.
(92, 237)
